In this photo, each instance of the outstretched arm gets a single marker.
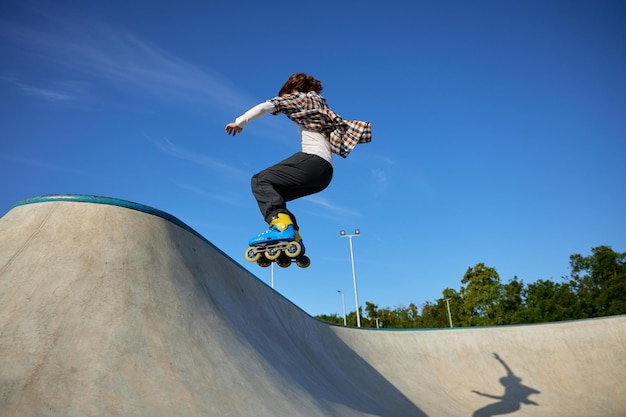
(254, 113)
(495, 397)
(233, 129)
(508, 370)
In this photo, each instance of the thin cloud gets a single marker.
(169, 148)
(80, 48)
(45, 93)
(330, 207)
(379, 176)
(236, 202)
(46, 166)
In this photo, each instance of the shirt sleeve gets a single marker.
(254, 113)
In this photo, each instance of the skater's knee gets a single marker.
(260, 177)
(255, 182)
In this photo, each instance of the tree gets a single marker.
(400, 317)
(372, 314)
(596, 287)
(434, 315)
(481, 294)
(370, 309)
(332, 318)
(600, 281)
(410, 316)
(511, 305)
(546, 301)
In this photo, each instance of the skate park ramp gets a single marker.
(111, 308)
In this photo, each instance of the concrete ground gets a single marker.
(108, 308)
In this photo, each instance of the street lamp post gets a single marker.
(357, 232)
(449, 315)
(343, 303)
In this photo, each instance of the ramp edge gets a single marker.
(85, 198)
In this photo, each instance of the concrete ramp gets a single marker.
(111, 308)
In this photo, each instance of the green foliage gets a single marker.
(596, 288)
(333, 318)
(600, 281)
(511, 305)
(546, 301)
(481, 293)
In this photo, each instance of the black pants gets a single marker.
(299, 175)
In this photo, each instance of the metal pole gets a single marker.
(449, 315)
(272, 275)
(356, 293)
(343, 303)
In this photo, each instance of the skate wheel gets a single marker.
(293, 250)
(272, 254)
(303, 261)
(263, 262)
(252, 255)
(283, 261)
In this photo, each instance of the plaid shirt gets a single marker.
(311, 111)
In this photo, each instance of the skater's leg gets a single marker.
(297, 176)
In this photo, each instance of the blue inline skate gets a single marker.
(281, 243)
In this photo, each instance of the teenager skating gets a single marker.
(322, 133)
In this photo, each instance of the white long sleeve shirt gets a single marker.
(312, 142)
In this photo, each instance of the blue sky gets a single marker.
(499, 128)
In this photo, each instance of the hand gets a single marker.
(233, 129)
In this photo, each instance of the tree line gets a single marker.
(596, 287)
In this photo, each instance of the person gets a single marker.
(322, 133)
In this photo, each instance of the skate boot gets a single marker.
(281, 229)
(281, 243)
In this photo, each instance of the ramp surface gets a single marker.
(109, 308)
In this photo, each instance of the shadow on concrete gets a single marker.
(515, 394)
